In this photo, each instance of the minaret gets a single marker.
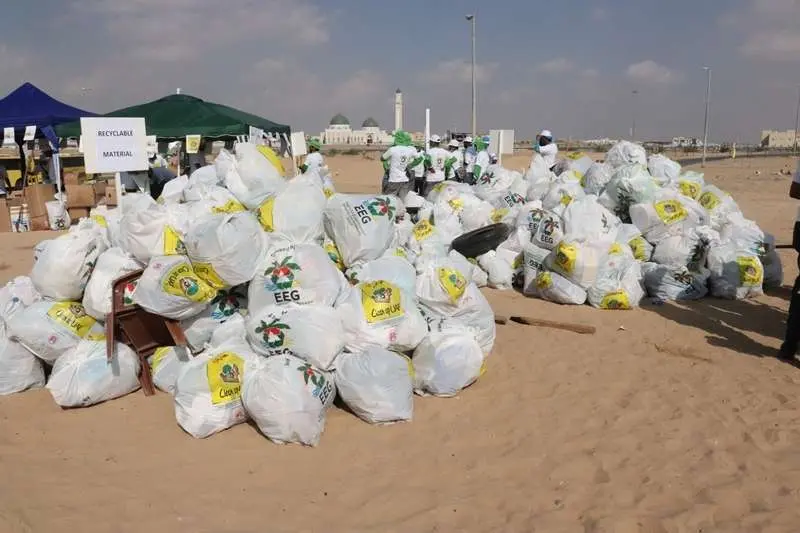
(398, 110)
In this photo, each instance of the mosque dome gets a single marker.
(370, 123)
(339, 120)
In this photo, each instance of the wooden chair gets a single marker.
(142, 331)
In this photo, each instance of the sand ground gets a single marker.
(670, 419)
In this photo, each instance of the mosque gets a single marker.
(340, 132)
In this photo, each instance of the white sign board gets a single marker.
(8, 136)
(114, 144)
(501, 142)
(299, 144)
(152, 145)
(256, 136)
(30, 133)
(193, 144)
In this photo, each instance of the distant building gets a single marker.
(340, 132)
(777, 139)
(686, 142)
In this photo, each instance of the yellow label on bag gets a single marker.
(615, 249)
(544, 281)
(159, 355)
(381, 301)
(453, 282)
(482, 371)
(709, 200)
(101, 220)
(566, 255)
(689, 188)
(518, 262)
(400, 252)
(173, 244)
(224, 373)
(333, 253)
(411, 372)
(439, 186)
(95, 336)
(566, 199)
(575, 155)
(181, 280)
(639, 248)
(230, 207)
(670, 211)
(615, 300)
(422, 230)
(265, 214)
(208, 273)
(72, 316)
(328, 192)
(498, 215)
(456, 204)
(751, 271)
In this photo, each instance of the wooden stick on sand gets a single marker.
(582, 329)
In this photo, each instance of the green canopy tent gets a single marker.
(177, 115)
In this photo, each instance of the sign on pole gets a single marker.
(193, 144)
(298, 143)
(8, 136)
(114, 144)
(30, 133)
(256, 136)
(152, 145)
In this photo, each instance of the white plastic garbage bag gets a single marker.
(48, 329)
(630, 235)
(560, 194)
(670, 213)
(108, 219)
(253, 178)
(172, 192)
(166, 364)
(111, 265)
(223, 163)
(83, 376)
(596, 178)
(208, 392)
(556, 288)
(333, 252)
(661, 166)
(300, 274)
(19, 369)
(312, 333)
(233, 329)
(288, 399)
(361, 226)
(226, 251)
(447, 362)
(675, 282)
(16, 295)
(153, 231)
(546, 228)
(295, 213)
(534, 258)
(773, 270)
(170, 287)
(719, 204)
(204, 200)
(205, 175)
(470, 269)
(377, 385)
(57, 215)
(379, 313)
(227, 304)
(618, 284)
(391, 268)
(745, 234)
(63, 268)
(586, 219)
(735, 274)
(578, 261)
(499, 269)
(629, 185)
(690, 184)
(579, 163)
(626, 153)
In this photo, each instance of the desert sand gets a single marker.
(672, 418)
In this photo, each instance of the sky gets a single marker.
(570, 66)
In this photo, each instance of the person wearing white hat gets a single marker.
(454, 147)
(438, 164)
(545, 147)
(469, 161)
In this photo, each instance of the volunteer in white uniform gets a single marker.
(482, 160)
(791, 341)
(546, 148)
(438, 164)
(314, 159)
(397, 158)
(454, 147)
(469, 161)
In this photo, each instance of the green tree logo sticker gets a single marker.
(273, 334)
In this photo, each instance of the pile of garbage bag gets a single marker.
(289, 293)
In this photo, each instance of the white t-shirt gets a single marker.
(549, 154)
(459, 155)
(419, 170)
(314, 161)
(399, 158)
(439, 157)
(483, 161)
(469, 160)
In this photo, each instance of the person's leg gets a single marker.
(404, 189)
(792, 338)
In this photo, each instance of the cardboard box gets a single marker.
(40, 223)
(80, 196)
(111, 195)
(77, 213)
(71, 178)
(36, 196)
(5, 216)
(100, 190)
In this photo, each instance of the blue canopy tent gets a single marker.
(28, 105)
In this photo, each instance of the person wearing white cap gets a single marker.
(545, 147)
(454, 147)
(438, 164)
(469, 161)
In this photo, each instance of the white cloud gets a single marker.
(770, 29)
(559, 65)
(773, 46)
(459, 71)
(590, 73)
(651, 73)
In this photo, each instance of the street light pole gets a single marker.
(471, 18)
(796, 120)
(705, 126)
(633, 106)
